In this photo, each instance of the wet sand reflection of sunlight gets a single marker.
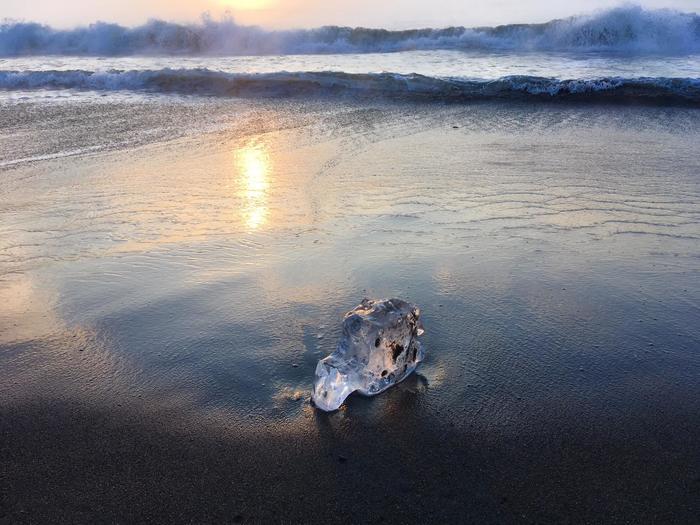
(254, 167)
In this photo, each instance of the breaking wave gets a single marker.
(387, 85)
(628, 29)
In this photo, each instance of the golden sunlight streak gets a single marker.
(253, 162)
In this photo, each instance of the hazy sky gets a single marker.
(306, 13)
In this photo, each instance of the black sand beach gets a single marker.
(167, 294)
(71, 462)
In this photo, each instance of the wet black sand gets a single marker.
(67, 462)
(164, 306)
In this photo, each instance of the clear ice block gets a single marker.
(379, 348)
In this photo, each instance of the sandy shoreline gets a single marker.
(165, 304)
(75, 462)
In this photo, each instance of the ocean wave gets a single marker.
(387, 85)
(629, 29)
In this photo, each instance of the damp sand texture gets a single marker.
(172, 269)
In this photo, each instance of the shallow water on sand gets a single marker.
(554, 252)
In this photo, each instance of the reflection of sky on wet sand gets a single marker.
(42, 356)
(212, 266)
(28, 310)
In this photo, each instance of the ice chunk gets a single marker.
(378, 349)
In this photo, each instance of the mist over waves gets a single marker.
(628, 29)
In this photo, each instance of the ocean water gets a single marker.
(437, 75)
(625, 54)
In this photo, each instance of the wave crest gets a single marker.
(414, 87)
(625, 29)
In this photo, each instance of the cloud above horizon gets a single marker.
(391, 14)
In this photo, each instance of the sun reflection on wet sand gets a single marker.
(253, 169)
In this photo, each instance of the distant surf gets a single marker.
(394, 86)
(628, 29)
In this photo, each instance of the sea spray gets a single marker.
(628, 29)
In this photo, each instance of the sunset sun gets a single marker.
(248, 5)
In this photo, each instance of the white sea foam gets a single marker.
(628, 29)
